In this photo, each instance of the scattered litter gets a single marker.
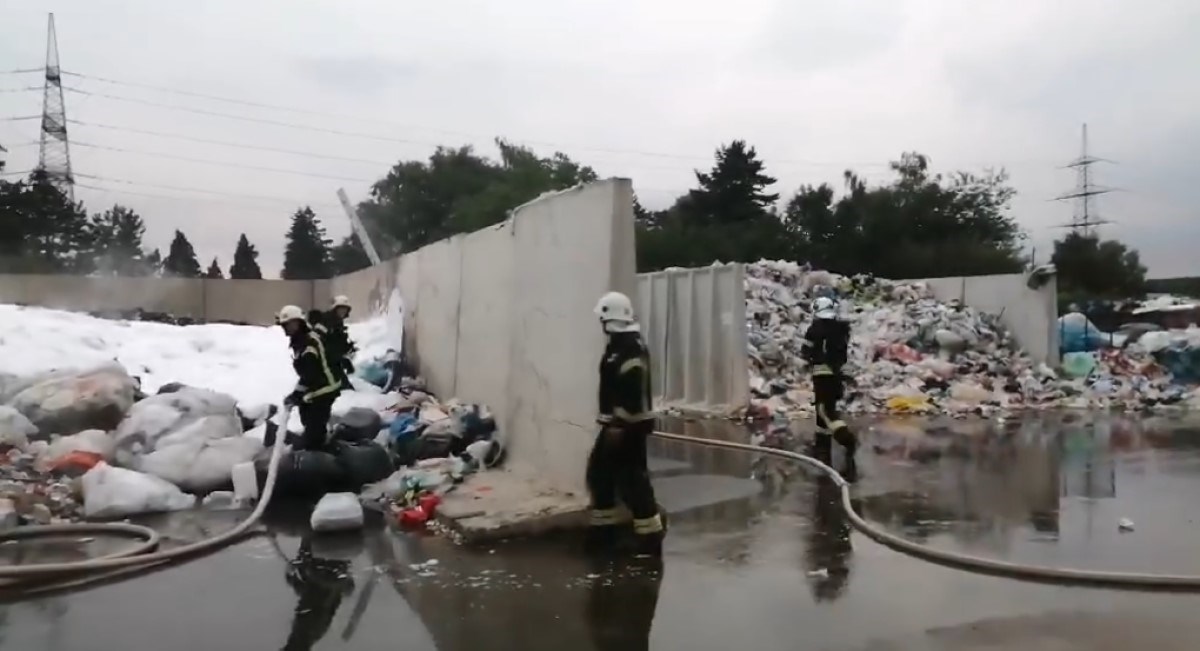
(911, 353)
(1124, 525)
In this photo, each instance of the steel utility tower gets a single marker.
(54, 157)
(1084, 221)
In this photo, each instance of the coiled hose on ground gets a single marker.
(24, 581)
(1121, 580)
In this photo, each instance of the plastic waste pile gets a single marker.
(1134, 368)
(436, 446)
(911, 353)
(88, 444)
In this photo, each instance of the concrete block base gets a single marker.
(503, 504)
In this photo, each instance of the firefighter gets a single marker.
(617, 463)
(318, 385)
(331, 326)
(825, 348)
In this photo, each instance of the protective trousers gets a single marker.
(827, 391)
(314, 416)
(617, 468)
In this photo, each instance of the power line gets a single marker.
(226, 143)
(20, 173)
(242, 102)
(246, 118)
(241, 206)
(15, 118)
(21, 71)
(205, 191)
(222, 163)
(19, 90)
(382, 138)
(340, 116)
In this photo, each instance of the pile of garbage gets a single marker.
(912, 353)
(90, 444)
(1138, 364)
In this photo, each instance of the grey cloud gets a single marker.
(359, 74)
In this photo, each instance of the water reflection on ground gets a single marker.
(1045, 489)
(778, 569)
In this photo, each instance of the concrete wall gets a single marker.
(253, 301)
(1031, 314)
(503, 317)
(694, 321)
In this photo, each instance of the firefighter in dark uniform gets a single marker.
(826, 348)
(331, 327)
(318, 386)
(617, 464)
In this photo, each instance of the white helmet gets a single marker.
(341, 301)
(824, 308)
(290, 313)
(616, 313)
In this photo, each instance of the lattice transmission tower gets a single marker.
(54, 156)
(1085, 218)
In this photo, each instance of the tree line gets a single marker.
(918, 223)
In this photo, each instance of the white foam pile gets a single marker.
(910, 352)
(250, 363)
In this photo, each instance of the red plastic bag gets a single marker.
(77, 461)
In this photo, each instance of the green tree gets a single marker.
(41, 230)
(919, 225)
(1090, 268)
(734, 191)
(307, 254)
(214, 270)
(729, 218)
(181, 258)
(348, 256)
(245, 261)
(458, 191)
(117, 240)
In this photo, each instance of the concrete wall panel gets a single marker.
(254, 301)
(564, 261)
(694, 321)
(485, 318)
(179, 296)
(1031, 314)
(439, 296)
(408, 279)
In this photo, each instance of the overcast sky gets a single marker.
(645, 89)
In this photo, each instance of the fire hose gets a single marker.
(970, 563)
(24, 581)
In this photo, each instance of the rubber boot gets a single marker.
(650, 544)
(822, 448)
(849, 443)
(601, 539)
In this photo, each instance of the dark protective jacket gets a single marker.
(333, 333)
(625, 382)
(826, 346)
(317, 377)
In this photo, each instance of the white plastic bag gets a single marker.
(110, 492)
(337, 512)
(200, 465)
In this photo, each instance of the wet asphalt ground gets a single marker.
(776, 568)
